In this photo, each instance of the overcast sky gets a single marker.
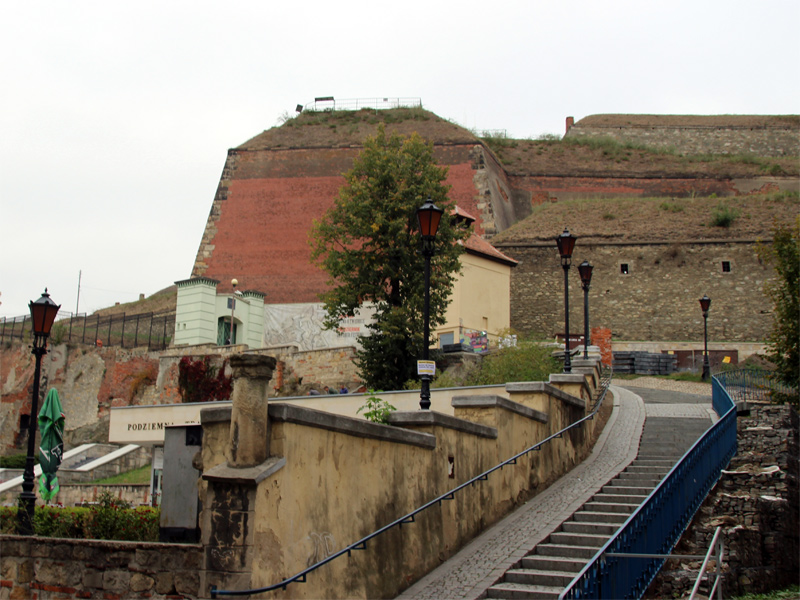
(115, 117)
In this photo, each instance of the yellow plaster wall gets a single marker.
(483, 289)
(337, 487)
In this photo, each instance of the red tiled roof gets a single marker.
(477, 245)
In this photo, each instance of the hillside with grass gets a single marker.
(657, 219)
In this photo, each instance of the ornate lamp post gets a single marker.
(43, 313)
(234, 283)
(566, 244)
(428, 216)
(585, 270)
(705, 305)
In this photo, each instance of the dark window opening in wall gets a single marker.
(623, 268)
(726, 266)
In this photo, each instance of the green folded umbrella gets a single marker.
(51, 449)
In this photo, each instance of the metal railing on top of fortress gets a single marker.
(332, 104)
(153, 330)
(628, 562)
(411, 517)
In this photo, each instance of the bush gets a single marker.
(16, 461)
(724, 215)
(110, 519)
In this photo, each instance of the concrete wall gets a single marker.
(656, 300)
(329, 480)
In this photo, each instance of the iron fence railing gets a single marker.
(753, 385)
(411, 517)
(333, 104)
(656, 526)
(154, 330)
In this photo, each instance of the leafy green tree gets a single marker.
(369, 244)
(784, 340)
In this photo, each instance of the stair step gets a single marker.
(595, 506)
(539, 577)
(629, 490)
(552, 563)
(621, 498)
(600, 516)
(566, 550)
(522, 591)
(578, 539)
(606, 529)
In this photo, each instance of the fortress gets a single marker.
(274, 185)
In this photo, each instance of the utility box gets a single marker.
(179, 498)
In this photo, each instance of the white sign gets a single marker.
(426, 367)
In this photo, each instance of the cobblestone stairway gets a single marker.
(551, 565)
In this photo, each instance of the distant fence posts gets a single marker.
(112, 330)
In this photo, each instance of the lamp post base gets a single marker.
(425, 392)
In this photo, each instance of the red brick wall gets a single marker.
(262, 231)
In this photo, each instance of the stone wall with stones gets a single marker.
(760, 141)
(644, 292)
(756, 504)
(34, 567)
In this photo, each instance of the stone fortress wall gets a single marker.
(722, 134)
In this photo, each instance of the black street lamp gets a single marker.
(585, 270)
(566, 244)
(43, 313)
(428, 216)
(705, 305)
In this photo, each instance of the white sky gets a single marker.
(115, 117)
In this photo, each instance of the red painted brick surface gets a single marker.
(601, 336)
(262, 233)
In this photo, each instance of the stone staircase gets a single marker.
(550, 566)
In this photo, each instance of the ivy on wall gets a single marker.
(201, 381)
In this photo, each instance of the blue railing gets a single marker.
(752, 385)
(656, 526)
(411, 517)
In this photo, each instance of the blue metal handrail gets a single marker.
(411, 517)
(656, 526)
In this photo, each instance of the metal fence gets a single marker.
(656, 526)
(154, 330)
(332, 104)
(752, 385)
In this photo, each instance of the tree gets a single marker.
(368, 243)
(784, 340)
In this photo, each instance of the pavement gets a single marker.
(469, 573)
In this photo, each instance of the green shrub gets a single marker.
(527, 361)
(110, 519)
(16, 461)
(724, 215)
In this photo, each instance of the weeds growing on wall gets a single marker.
(201, 381)
(376, 409)
(724, 215)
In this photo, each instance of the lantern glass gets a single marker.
(705, 303)
(429, 216)
(585, 270)
(566, 244)
(43, 314)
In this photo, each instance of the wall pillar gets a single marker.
(249, 435)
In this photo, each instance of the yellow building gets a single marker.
(480, 307)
